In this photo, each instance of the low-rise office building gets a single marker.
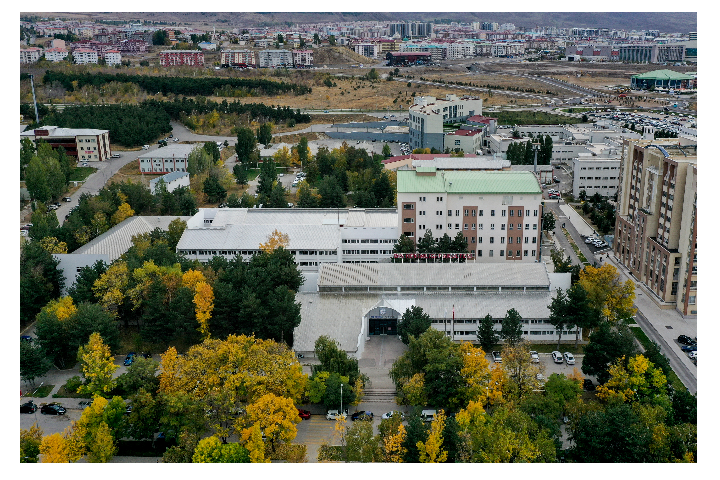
(428, 114)
(85, 144)
(173, 158)
(467, 140)
(171, 181)
(356, 302)
(597, 170)
(316, 236)
(302, 58)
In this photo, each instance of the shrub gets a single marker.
(73, 384)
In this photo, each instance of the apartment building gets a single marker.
(275, 58)
(85, 55)
(176, 58)
(596, 173)
(302, 58)
(56, 54)
(367, 49)
(30, 55)
(85, 144)
(237, 58)
(656, 222)
(498, 212)
(113, 57)
(428, 114)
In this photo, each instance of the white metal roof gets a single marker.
(434, 274)
(250, 236)
(64, 132)
(172, 150)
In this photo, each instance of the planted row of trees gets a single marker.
(523, 153)
(174, 85)
(600, 210)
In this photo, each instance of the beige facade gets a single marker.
(656, 227)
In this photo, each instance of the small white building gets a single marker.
(302, 58)
(597, 171)
(467, 140)
(172, 181)
(173, 158)
(113, 57)
(85, 55)
(30, 55)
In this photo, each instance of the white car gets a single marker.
(115, 155)
(692, 354)
(557, 357)
(145, 147)
(334, 414)
(496, 357)
(534, 357)
(387, 415)
(569, 359)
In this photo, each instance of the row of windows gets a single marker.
(598, 178)
(511, 226)
(369, 240)
(367, 252)
(510, 253)
(471, 212)
(150, 170)
(526, 332)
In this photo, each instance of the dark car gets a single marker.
(588, 385)
(304, 414)
(685, 340)
(689, 348)
(28, 407)
(146, 355)
(52, 409)
(361, 415)
(26, 338)
(129, 359)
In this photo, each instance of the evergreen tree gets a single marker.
(486, 333)
(512, 328)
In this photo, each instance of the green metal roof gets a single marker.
(477, 182)
(663, 75)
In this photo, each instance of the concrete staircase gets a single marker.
(379, 395)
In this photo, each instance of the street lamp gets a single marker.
(341, 410)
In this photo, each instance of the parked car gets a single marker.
(115, 155)
(361, 415)
(145, 147)
(693, 354)
(67, 199)
(588, 385)
(146, 355)
(534, 357)
(28, 407)
(334, 414)
(26, 338)
(387, 415)
(689, 348)
(428, 415)
(52, 409)
(557, 357)
(129, 359)
(569, 359)
(685, 340)
(496, 357)
(304, 414)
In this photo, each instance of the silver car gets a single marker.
(557, 357)
(569, 359)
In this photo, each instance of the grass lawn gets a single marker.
(65, 393)
(41, 392)
(81, 173)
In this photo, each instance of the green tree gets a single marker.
(579, 311)
(211, 450)
(30, 441)
(548, 222)
(240, 173)
(141, 374)
(199, 160)
(302, 150)
(213, 150)
(414, 322)
(96, 364)
(459, 244)
(33, 362)
(277, 197)
(27, 152)
(264, 134)
(386, 150)
(405, 244)
(361, 445)
(245, 145)
(486, 333)
(426, 244)
(558, 313)
(606, 345)
(331, 40)
(331, 193)
(512, 329)
(40, 280)
(213, 189)
(266, 180)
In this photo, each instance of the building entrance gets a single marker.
(382, 321)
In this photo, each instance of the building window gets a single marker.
(527, 213)
(449, 226)
(449, 213)
(472, 239)
(457, 226)
(480, 252)
(408, 206)
(465, 227)
(502, 239)
(480, 239)
(510, 226)
(408, 220)
(480, 226)
(473, 213)
(517, 253)
(534, 226)
(535, 213)
(526, 239)
(525, 253)
(502, 213)
(502, 253)
(480, 213)
(534, 240)
(519, 239)
(492, 226)
(466, 212)
(490, 254)
(457, 213)
(492, 213)
(502, 226)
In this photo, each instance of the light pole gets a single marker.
(341, 410)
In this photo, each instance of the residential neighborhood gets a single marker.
(323, 238)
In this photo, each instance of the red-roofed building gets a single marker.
(481, 120)
(393, 163)
(464, 139)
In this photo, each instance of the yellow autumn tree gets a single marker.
(147, 274)
(431, 450)
(607, 293)
(275, 240)
(276, 417)
(96, 365)
(54, 449)
(110, 288)
(169, 371)
(358, 389)
(52, 245)
(124, 211)
(63, 308)
(282, 157)
(475, 373)
(393, 445)
(256, 446)
(641, 379)
(414, 390)
(203, 301)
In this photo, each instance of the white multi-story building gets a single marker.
(428, 114)
(498, 212)
(597, 170)
(85, 55)
(367, 49)
(275, 58)
(469, 140)
(30, 55)
(113, 57)
(173, 158)
(503, 49)
(56, 54)
(460, 50)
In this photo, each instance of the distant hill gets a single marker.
(663, 21)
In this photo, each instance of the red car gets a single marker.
(304, 414)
